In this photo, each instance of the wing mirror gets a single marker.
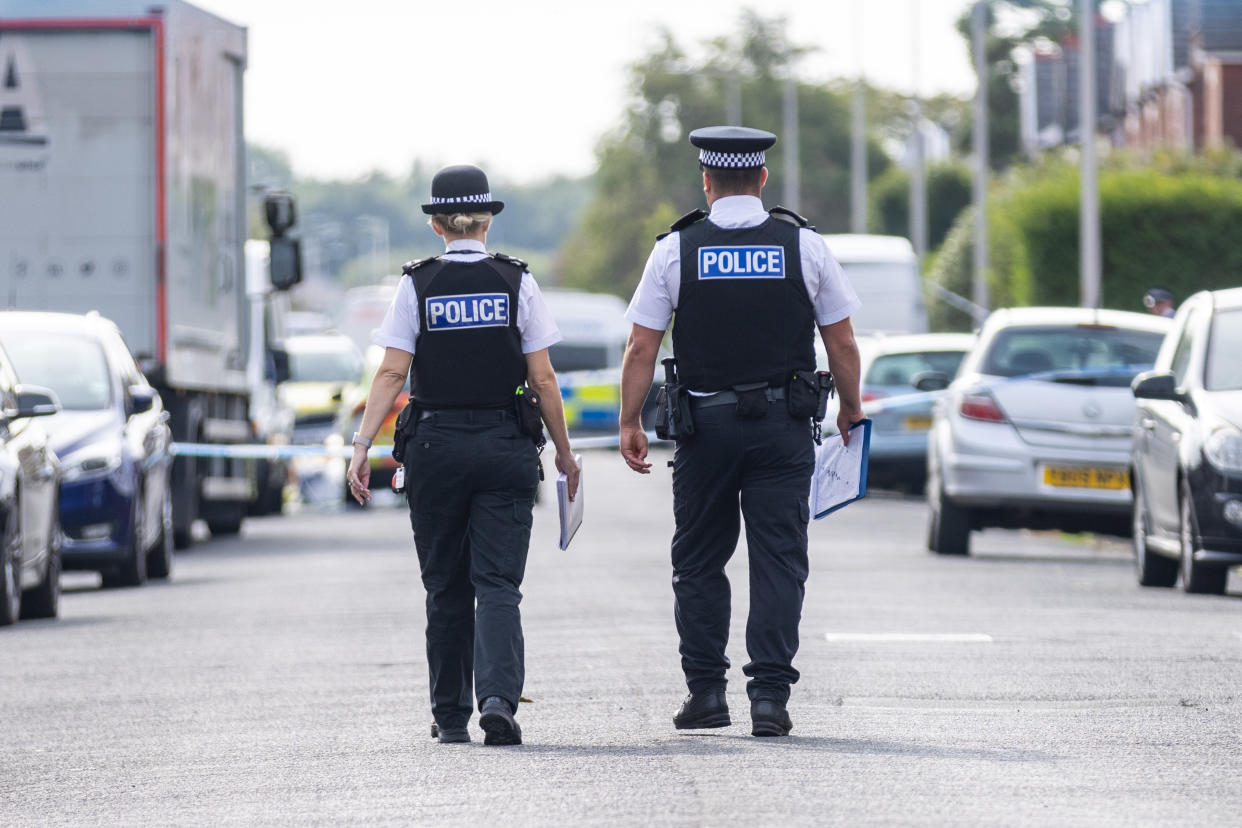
(931, 381)
(141, 398)
(1156, 385)
(34, 401)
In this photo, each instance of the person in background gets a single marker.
(476, 330)
(1159, 301)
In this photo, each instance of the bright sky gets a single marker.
(525, 88)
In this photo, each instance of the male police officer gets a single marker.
(749, 288)
(1159, 301)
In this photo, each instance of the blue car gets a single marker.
(112, 438)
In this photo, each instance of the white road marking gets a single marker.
(909, 638)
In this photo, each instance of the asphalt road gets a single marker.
(280, 679)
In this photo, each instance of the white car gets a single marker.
(1035, 431)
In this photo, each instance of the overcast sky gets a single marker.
(525, 88)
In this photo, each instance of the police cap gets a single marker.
(461, 189)
(731, 147)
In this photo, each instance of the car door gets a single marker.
(36, 484)
(146, 434)
(1164, 422)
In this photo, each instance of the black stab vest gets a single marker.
(736, 321)
(468, 353)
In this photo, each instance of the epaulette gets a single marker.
(513, 260)
(685, 221)
(409, 267)
(785, 214)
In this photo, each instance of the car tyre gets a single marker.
(43, 601)
(1197, 577)
(1154, 569)
(10, 552)
(133, 570)
(160, 558)
(949, 528)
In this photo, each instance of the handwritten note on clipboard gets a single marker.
(840, 470)
(570, 510)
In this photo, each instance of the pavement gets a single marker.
(280, 679)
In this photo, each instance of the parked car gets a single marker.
(1035, 431)
(29, 475)
(349, 418)
(321, 368)
(1187, 449)
(901, 412)
(112, 438)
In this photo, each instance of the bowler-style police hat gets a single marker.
(461, 189)
(1156, 295)
(731, 147)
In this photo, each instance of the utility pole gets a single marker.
(980, 142)
(733, 98)
(793, 182)
(918, 171)
(858, 136)
(1089, 210)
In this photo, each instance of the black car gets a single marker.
(30, 535)
(1187, 454)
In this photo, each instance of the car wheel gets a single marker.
(133, 570)
(43, 601)
(949, 525)
(160, 558)
(1154, 570)
(10, 552)
(1197, 576)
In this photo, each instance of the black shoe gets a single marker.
(702, 710)
(498, 723)
(449, 735)
(769, 718)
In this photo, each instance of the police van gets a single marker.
(588, 359)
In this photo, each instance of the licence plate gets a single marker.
(1086, 477)
(916, 423)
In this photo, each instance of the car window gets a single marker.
(576, 357)
(1224, 365)
(1185, 347)
(72, 366)
(1118, 352)
(901, 369)
(324, 366)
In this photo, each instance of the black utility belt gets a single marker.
(805, 395)
(465, 415)
(771, 394)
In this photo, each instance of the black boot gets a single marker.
(702, 710)
(450, 735)
(769, 718)
(498, 723)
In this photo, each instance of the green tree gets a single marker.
(948, 193)
(647, 173)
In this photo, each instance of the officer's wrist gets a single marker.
(361, 442)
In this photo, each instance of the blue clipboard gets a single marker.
(840, 475)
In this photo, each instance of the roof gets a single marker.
(319, 343)
(1227, 299)
(1077, 316)
(51, 321)
(910, 343)
(860, 247)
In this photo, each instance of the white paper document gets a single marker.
(840, 470)
(570, 510)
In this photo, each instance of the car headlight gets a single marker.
(1224, 449)
(95, 460)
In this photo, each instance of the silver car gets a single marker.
(1035, 431)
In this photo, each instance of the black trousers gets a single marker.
(764, 465)
(471, 479)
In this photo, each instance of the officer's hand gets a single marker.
(634, 449)
(846, 417)
(568, 466)
(358, 476)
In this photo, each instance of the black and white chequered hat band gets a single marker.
(739, 160)
(480, 198)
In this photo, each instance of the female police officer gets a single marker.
(475, 329)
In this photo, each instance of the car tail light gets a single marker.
(981, 407)
(868, 396)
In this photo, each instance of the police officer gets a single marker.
(475, 328)
(749, 287)
(1159, 301)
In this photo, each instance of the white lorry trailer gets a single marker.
(122, 190)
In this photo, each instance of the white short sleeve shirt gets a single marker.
(655, 300)
(534, 321)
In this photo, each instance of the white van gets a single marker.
(885, 273)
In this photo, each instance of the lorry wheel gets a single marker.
(949, 530)
(1153, 569)
(1197, 576)
(224, 527)
(10, 550)
(133, 570)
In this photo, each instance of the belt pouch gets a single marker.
(529, 419)
(403, 429)
(752, 400)
(802, 395)
(662, 414)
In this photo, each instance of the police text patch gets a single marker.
(468, 310)
(745, 262)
